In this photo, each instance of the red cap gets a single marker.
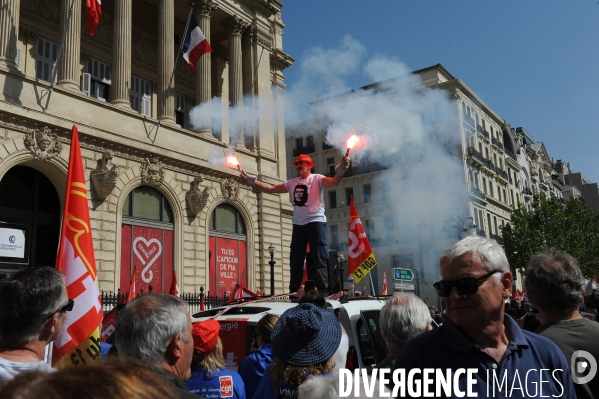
(304, 158)
(205, 335)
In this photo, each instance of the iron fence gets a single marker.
(111, 299)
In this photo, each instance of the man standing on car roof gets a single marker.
(309, 220)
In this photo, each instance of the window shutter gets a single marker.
(146, 107)
(18, 58)
(86, 79)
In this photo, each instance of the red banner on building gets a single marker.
(360, 258)
(227, 265)
(149, 252)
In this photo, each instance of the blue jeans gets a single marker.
(315, 234)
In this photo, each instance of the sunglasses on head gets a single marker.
(66, 308)
(466, 285)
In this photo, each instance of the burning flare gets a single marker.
(351, 142)
(232, 160)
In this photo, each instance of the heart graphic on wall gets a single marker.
(147, 251)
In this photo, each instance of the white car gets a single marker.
(359, 316)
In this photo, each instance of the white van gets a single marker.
(359, 316)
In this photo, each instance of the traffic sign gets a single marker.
(402, 286)
(403, 274)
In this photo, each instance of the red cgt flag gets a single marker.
(132, 287)
(94, 14)
(174, 290)
(385, 282)
(360, 258)
(79, 342)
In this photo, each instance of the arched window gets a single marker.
(227, 250)
(227, 219)
(147, 241)
(29, 206)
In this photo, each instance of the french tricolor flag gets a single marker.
(195, 44)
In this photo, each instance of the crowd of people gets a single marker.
(160, 353)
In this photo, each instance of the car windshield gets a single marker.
(372, 345)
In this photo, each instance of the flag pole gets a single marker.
(170, 82)
(372, 285)
(59, 55)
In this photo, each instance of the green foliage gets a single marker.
(573, 229)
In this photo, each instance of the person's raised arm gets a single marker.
(339, 171)
(266, 187)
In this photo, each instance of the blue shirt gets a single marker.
(448, 347)
(252, 368)
(225, 384)
(265, 390)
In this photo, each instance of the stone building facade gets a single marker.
(160, 196)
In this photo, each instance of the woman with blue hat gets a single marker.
(303, 342)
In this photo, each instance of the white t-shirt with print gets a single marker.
(307, 197)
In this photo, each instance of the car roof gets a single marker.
(256, 309)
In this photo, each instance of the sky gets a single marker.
(533, 62)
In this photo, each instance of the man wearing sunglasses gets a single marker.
(33, 303)
(309, 220)
(507, 361)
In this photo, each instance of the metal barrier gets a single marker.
(111, 299)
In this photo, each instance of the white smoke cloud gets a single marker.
(410, 129)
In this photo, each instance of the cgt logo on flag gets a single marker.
(360, 258)
(79, 342)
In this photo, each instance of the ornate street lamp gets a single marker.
(271, 251)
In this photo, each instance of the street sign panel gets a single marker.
(403, 286)
(403, 274)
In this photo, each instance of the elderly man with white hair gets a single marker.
(477, 351)
(155, 331)
(403, 317)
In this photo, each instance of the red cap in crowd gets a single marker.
(205, 335)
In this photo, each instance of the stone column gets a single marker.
(166, 61)
(121, 53)
(247, 50)
(9, 32)
(203, 11)
(235, 27)
(68, 68)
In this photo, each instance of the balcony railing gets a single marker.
(309, 149)
(526, 191)
(477, 193)
(479, 129)
(481, 232)
(557, 180)
(486, 134)
(383, 242)
(510, 154)
(478, 156)
(502, 173)
(364, 168)
(497, 143)
(326, 146)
